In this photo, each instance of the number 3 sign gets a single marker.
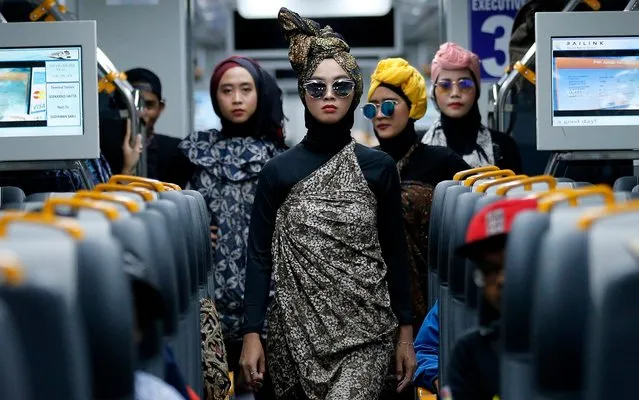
(491, 22)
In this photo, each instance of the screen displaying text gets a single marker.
(41, 92)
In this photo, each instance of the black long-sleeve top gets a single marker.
(276, 180)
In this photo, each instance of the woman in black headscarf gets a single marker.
(397, 98)
(327, 224)
(226, 165)
(455, 73)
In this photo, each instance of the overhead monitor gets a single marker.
(587, 67)
(48, 91)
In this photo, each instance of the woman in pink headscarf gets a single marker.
(455, 73)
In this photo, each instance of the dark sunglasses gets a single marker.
(317, 89)
(464, 85)
(387, 107)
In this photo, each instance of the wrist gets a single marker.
(406, 333)
(251, 336)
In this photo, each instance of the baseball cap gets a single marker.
(489, 228)
(143, 79)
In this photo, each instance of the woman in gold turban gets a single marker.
(397, 98)
(327, 225)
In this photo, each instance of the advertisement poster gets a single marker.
(491, 23)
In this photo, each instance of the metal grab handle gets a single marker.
(515, 76)
(631, 5)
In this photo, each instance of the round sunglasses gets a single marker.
(464, 85)
(341, 87)
(387, 107)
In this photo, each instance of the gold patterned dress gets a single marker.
(332, 327)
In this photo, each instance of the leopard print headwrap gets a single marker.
(309, 45)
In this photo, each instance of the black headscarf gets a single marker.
(268, 119)
(461, 133)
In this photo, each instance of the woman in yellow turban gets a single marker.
(397, 98)
(327, 226)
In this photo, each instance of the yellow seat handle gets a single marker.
(106, 84)
(470, 181)
(129, 204)
(423, 394)
(68, 225)
(461, 175)
(549, 192)
(44, 8)
(592, 216)
(594, 4)
(571, 196)
(526, 72)
(527, 184)
(51, 204)
(146, 194)
(11, 268)
(152, 184)
(486, 185)
(172, 186)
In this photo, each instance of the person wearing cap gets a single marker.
(456, 73)
(396, 100)
(474, 363)
(165, 162)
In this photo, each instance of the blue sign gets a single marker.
(491, 23)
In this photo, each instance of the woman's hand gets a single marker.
(252, 361)
(131, 154)
(405, 360)
(213, 236)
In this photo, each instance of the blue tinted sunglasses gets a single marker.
(387, 107)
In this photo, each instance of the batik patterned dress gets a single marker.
(331, 324)
(226, 174)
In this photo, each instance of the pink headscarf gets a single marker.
(452, 56)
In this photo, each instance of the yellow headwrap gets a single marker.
(399, 73)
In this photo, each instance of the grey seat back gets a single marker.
(560, 319)
(437, 209)
(204, 219)
(517, 298)
(447, 218)
(625, 183)
(14, 381)
(201, 220)
(458, 313)
(47, 313)
(189, 355)
(11, 195)
(612, 347)
(106, 306)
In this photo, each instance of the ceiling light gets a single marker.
(253, 9)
